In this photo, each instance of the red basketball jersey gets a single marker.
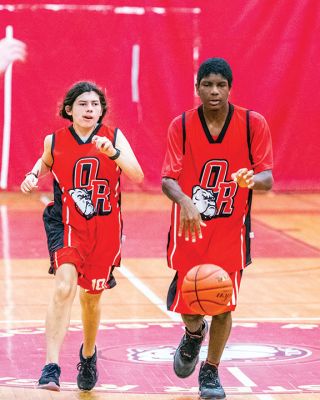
(87, 191)
(203, 166)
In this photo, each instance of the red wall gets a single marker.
(273, 51)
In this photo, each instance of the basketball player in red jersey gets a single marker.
(217, 154)
(83, 224)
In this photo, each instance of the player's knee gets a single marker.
(64, 291)
(191, 319)
(222, 317)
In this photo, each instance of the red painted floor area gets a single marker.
(146, 236)
(137, 358)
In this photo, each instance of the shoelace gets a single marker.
(211, 376)
(86, 367)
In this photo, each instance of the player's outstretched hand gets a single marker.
(244, 178)
(105, 145)
(29, 184)
(11, 50)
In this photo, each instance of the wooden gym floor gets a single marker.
(273, 352)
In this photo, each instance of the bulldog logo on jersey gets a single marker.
(90, 193)
(83, 202)
(215, 194)
(205, 202)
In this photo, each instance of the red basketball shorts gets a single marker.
(94, 278)
(91, 247)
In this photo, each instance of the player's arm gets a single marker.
(122, 154)
(40, 168)
(260, 176)
(11, 50)
(190, 218)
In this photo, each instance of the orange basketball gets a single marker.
(207, 289)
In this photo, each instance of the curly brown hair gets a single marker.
(76, 90)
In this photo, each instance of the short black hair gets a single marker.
(76, 90)
(215, 65)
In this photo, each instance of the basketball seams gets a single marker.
(191, 290)
(207, 275)
(196, 289)
(207, 289)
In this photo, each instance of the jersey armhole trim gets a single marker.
(183, 133)
(115, 136)
(52, 148)
(249, 136)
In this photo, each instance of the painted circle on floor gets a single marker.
(261, 357)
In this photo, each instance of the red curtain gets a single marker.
(272, 49)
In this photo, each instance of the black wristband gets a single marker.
(116, 155)
(31, 173)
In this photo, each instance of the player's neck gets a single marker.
(83, 132)
(216, 116)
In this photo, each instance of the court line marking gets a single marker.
(147, 292)
(45, 199)
(277, 319)
(241, 376)
(8, 306)
(134, 320)
(103, 321)
(286, 234)
(264, 397)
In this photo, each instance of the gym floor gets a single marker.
(273, 352)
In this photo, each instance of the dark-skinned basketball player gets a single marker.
(217, 155)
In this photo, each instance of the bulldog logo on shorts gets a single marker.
(205, 202)
(83, 202)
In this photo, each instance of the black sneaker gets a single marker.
(186, 356)
(88, 374)
(50, 377)
(209, 383)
